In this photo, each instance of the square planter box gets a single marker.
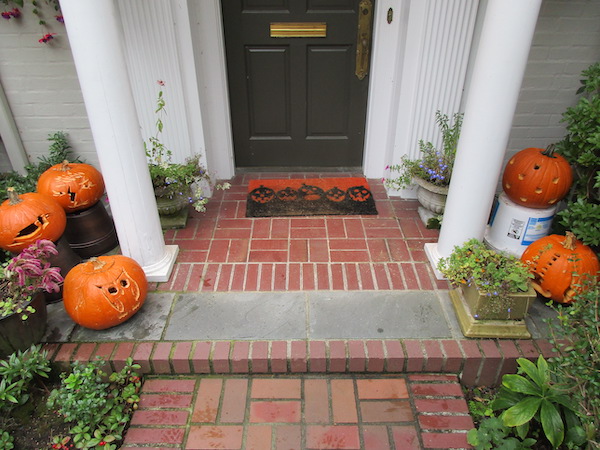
(480, 316)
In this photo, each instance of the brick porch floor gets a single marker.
(222, 250)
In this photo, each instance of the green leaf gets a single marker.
(552, 423)
(517, 383)
(522, 412)
(522, 430)
(531, 370)
(505, 399)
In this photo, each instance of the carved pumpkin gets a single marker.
(560, 264)
(104, 291)
(335, 194)
(310, 193)
(287, 195)
(75, 186)
(537, 178)
(359, 193)
(262, 194)
(28, 217)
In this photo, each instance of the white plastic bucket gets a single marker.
(513, 227)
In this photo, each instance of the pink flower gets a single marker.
(160, 82)
(60, 18)
(47, 38)
(6, 15)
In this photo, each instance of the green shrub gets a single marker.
(98, 410)
(534, 395)
(576, 337)
(58, 151)
(18, 372)
(580, 147)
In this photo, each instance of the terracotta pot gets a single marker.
(18, 334)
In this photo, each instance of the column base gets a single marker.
(161, 271)
(431, 250)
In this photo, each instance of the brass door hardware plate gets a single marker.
(298, 29)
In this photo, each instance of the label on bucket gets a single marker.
(516, 229)
(536, 228)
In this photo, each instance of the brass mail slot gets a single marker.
(298, 29)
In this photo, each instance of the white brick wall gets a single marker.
(566, 41)
(41, 85)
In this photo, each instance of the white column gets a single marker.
(498, 71)
(96, 42)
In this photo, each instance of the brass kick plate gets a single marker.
(298, 29)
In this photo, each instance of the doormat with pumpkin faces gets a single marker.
(309, 197)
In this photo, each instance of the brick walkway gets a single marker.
(301, 412)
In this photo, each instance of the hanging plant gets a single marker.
(39, 10)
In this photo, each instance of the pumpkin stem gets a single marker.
(13, 196)
(570, 240)
(96, 263)
(65, 165)
(549, 152)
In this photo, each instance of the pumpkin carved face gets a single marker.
(287, 195)
(359, 193)
(309, 192)
(28, 217)
(335, 194)
(262, 194)
(74, 186)
(560, 265)
(537, 178)
(104, 291)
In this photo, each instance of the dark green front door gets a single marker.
(295, 101)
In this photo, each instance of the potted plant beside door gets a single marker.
(493, 291)
(176, 185)
(432, 171)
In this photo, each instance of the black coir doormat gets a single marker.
(306, 197)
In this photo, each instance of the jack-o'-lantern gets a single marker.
(75, 186)
(359, 193)
(262, 194)
(28, 217)
(311, 193)
(560, 265)
(287, 195)
(335, 194)
(537, 178)
(104, 291)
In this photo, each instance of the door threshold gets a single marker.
(242, 170)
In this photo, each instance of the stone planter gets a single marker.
(432, 199)
(480, 316)
(18, 334)
(174, 211)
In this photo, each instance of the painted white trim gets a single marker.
(10, 136)
(385, 75)
(209, 50)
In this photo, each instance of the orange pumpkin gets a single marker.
(537, 178)
(560, 264)
(75, 186)
(28, 217)
(104, 291)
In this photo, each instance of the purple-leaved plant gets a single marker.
(25, 274)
